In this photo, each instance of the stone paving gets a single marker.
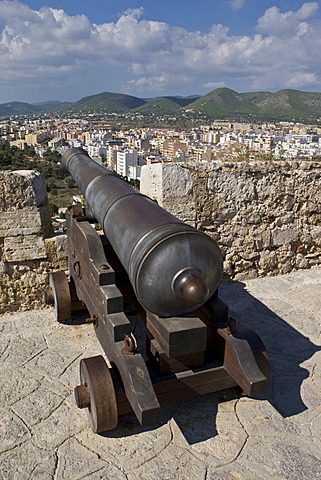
(220, 436)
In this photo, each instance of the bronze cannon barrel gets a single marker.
(172, 267)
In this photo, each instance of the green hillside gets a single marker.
(52, 106)
(18, 108)
(294, 103)
(222, 102)
(108, 103)
(22, 108)
(159, 106)
(183, 101)
(281, 105)
(285, 105)
(255, 97)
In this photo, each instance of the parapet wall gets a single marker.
(28, 252)
(265, 216)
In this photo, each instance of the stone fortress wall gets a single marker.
(28, 249)
(265, 216)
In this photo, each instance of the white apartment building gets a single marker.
(134, 172)
(93, 150)
(75, 143)
(111, 157)
(125, 159)
(129, 164)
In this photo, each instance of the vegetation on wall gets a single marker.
(60, 185)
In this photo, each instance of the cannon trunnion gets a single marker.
(150, 287)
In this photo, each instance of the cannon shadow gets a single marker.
(287, 349)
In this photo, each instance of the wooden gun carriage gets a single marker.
(153, 269)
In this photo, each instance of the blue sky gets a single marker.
(67, 49)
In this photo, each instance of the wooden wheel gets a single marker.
(58, 295)
(97, 394)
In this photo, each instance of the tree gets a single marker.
(53, 209)
(70, 182)
(51, 184)
(52, 155)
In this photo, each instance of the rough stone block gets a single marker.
(33, 279)
(57, 252)
(268, 260)
(301, 261)
(62, 247)
(316, 233)
(22, 188)
(19, 249)
(4, 267)
(151, 182)
(284, 236)
(26, 221)
(165, 180)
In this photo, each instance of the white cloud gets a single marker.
(134, 12)
(52, 49)
(212, 85)
(307, 10)
(236, 4)
(300, 79)
(273, 22)
(156, 83)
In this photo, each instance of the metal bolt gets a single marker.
(92, 319)
(104, 266)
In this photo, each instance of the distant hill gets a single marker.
(107, 102)
(223, 102)
(183, 101)
(49, 102)
(290, 102)
(189, 99)
(18, 108)
(165, 105)
(21, 108)
(53, 105)
(282, 105)
(220, 103)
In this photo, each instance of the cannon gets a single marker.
(149, 283)
(172, 267)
